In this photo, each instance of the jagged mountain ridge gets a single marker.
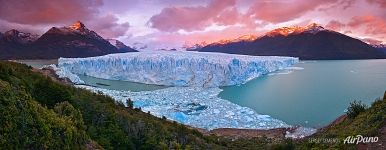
(308, 43)
(21, 37)
(73, 41)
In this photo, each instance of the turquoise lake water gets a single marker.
(311, 97)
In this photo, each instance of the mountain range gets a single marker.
(311, 42)
(72, 41)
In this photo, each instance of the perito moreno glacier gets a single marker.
(199, 73)
(171, 68)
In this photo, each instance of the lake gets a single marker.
(311, 97)
(38, 63)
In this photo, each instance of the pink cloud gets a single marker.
(30, 16)
(108, 26)
(281, 11)
(335, 25)
(47, 11)
(194, 18)
(381, 3)
(199, 37)
(373, 25)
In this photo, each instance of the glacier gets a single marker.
(192, 105)
(63, 73)
(175, 68)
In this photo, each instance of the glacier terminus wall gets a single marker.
(177, 68)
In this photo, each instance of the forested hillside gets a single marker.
(38, 113)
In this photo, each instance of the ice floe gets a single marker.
(195, 106)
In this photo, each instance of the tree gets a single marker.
(355, 108)
(129, 103)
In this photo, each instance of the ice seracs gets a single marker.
(174, 68)
(63, 73)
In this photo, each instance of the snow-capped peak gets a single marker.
(77, 26)
(313, 28)
(112, 41)
(21, 36)
(247, 37)
(285, 31)
(192, 46)
(139, 46)
(118, 44)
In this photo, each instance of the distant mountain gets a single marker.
(72, 41)
(121, 46)
(243, 38)
(19, 37)
(311, 42)
(14, 42)
(139, 46)
(380, 47)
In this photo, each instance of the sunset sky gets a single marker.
(171, 23)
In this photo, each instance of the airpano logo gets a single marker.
(360, 139)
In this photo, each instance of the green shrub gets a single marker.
(355, 108)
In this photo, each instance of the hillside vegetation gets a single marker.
(38, 113)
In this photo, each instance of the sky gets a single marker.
(174, 23)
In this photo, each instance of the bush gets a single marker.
(355, 108)
(49, 93)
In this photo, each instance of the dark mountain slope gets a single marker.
(311, 42)
(14, 43)
(73, 41)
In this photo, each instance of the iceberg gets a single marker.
(175, 68)
(192, 105)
